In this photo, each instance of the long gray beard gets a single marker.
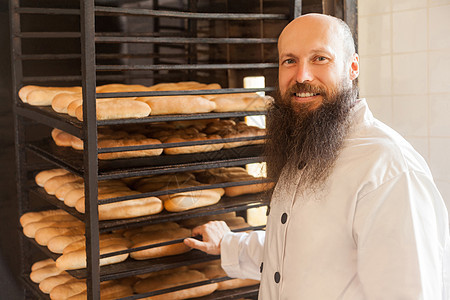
(310, 139)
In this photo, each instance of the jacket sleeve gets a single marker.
(402, 237)
(242, 253)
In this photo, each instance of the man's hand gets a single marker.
(211, 233)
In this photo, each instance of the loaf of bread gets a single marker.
(129, 233)
(55, 182)
(117, 109)
(109, 290)
(155, 283)
(68, 289)
(157, 182)
(153, 237)
(195, 148)
(43, 176)
(61, 101)
(45, 215)
(62, 191)
(40, 95)
(105, 239)
(44, 269)
(165, 105)
(43, 235)
(241, 102)
(131, 141)
(124, 209)
(58, 243)
(230, 129)
(31, 228)
(190, 200)
(51, 282)
(77, 259)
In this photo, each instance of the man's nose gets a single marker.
(303, 73)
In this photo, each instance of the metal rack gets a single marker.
(97, 67)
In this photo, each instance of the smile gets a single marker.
(305, 95)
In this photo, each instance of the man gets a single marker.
(355, 213)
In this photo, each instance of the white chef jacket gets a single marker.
(377, 230)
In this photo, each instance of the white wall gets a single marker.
(404, 47)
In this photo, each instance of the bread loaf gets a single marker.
(39, 95)
(106, 143)
(68, 289)
(58, 243)
(129, 233)
(51, 282)
(42, 177)
(118, 109)
(77, 259)
(45, 215)
(112, 237)
(190, 200)
(31, 228)
(194, 148)
(155, 283)
(109, 290)
(55, 182)
(42, 273)
(157, 182)
(61, 101)
(165, 105)
(215, 271)
(154, 237)
(73, 106)
(42, 263)
(246, 102)
(62, 191)
(43, 235)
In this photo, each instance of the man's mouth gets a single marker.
(306, 95)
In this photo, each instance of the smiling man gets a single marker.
(355, 213)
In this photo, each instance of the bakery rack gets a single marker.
(142, 42)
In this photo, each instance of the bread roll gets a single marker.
(118, 109)
(47, 215)
(68, 289)
(31, 228)
(44, 95)
(154, 237)
(42, 263)
(246, 102)
(25, 90)
(194, 148)
(61, 138)
(108, 291)
(155, 283)
(110, 237)
(61, 101)
(165, 105)
(62, 191)
(51, 282)
(55, 182)
(190, 200)
(77, 259)
(72, 107)
(45, 234)
(42, 273)
(106, 143)
(58, 243)
(124, 209)
(42, 177)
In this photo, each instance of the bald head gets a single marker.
(335, 26)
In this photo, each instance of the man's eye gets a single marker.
(288, 61)
(321, 58)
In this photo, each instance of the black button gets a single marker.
(277, 277)
(261, 268)
(301, 165)
(268, 210)
(283, 218)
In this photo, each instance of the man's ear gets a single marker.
(354, 67)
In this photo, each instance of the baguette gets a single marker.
(195, 148)
(62, 191)
(42, 273)
(190, 200)
(51, 282)
(61, 101)
(124, 209)
(110, 237)
(72, 197)
(105, 143)
(58, 243)
(31, 228)
(117, 109)
(44, 95)
(129, 233)
(165, 105)
(61, 138)
(246, 102)
(43, 176)
(55, 182)
(155, 283)
(45, 234)
(108, 291)
(45, 215)
(154, 237)
(72, 107)
(77, 259)
(42, 263)
(68, 289)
